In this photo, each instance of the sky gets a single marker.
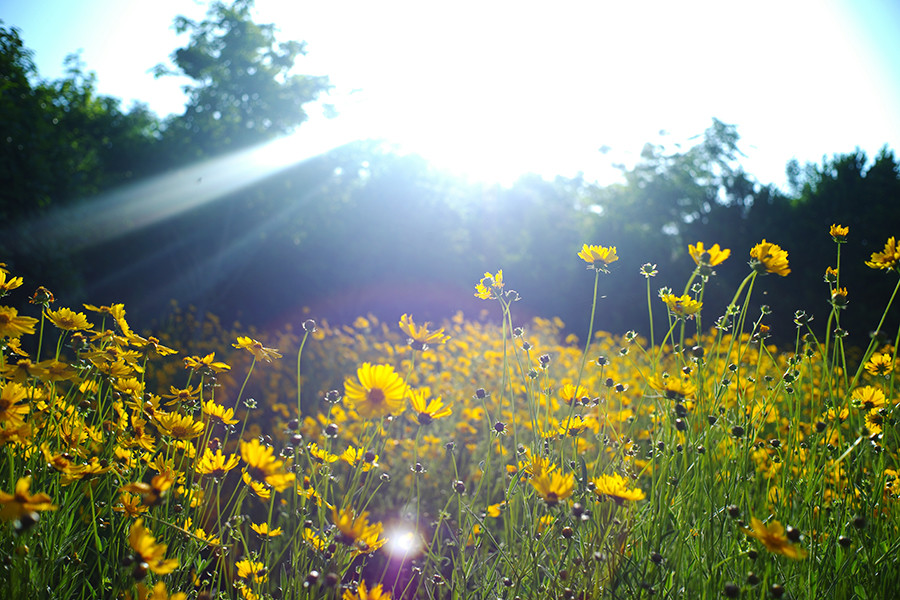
(495, 89)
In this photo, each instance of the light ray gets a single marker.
(122, 211)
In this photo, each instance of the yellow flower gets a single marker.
(67, 319)
(682, 306)
(575, 425)
(839, 233)
(570, 393)
(674, 388)
(379, 392)
(219, 413)
(144, 544)
(130, 504)
(880, 364)
(215, 463)
(14, 346)
(553, 487)
(868, 397)
(188, 394)
(320, 455)
(263, 530)
(356, 531)
(152, 493)
(545, 522)
(132, 387)
(8, 285)
(427, 410)
(708, 256)
(246, 592)
(12, 407)
(206, 365)
(93, 468)
(256, 348)
(420, 337)
(12, 325)
(262, 465)
(538, 465)
(117, 312)
(354, 456)
(874, 421)
(150, 346)
(490, 286)
(888, 258)
(773, 538)
(313, 539)
(56, 370)
(180, 427)
(598, 257)
(22, 502)
(769, 258)
(262, 490)
(616, 487)
(493, 510)
(363, 593)
(253, 570)
(159, 592)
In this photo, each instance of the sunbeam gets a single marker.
(132, 207)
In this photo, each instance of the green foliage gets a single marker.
(23, 127)
(62, 142)
(244, 90)
(646, 472)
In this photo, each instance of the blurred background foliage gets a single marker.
(362, 229)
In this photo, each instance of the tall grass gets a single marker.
(701, 463)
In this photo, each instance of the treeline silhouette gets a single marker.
(361, 229)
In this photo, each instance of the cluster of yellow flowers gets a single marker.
(546, 449)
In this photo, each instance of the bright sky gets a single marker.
(494, 89)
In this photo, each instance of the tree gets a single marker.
(850, 190)
(244, 91)
(26, 132)
(61, 143)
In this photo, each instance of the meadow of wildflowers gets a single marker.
(482, 458)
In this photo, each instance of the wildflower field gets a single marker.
(482, 458)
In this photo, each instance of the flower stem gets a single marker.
(587, 343)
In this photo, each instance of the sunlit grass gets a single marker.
(476, 458)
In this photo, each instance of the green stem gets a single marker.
(299, 354)
(587, 342)
(865, 356)
(246, 379)
(650, 311)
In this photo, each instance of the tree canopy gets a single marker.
(363, 229)
(244, 90)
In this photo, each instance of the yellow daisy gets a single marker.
(67, 319)
(378, 392)
(769, 258)
(888, 258)
(421, 336)
(774, 539)
(553, 486)
(256, 348)
(616, 487)
(598, 257)
(708, 256)
(683, 307)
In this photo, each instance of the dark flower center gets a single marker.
(375, 396)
